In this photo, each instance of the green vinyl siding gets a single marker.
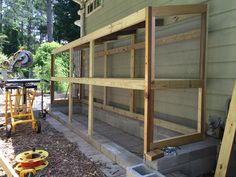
(174, 60)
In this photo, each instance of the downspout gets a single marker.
(81, 13)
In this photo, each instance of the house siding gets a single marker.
(172, 61)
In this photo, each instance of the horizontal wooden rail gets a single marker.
(135, 84)
(159, 41)
(128, 21)
(177, 140)
(157, 122)
(179, 10)
(177, 84)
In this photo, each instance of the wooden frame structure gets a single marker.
(145, 18)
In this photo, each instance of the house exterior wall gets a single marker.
(173, 60)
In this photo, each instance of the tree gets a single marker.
(42, 65)
(65, 15)
(49, 21)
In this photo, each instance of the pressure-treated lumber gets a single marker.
(201, 91)
(70, 114)
(105, 75)
(176, 83)
(228, 139)
(149, 76)
(10, 172)
(179, 10)
(91, 74)
(52, 85)
(136, 84)
(177, 140)
(132, 75)
(159, 41)
(157, 122)
(128, 21)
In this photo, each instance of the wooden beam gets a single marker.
(179, 10)
(177, 84)
(201, 92)
(159, 41)
(126, 22)
(228, 139)
(7, 168)
(52, 85)
(149, 76)
(71, 85)
(132, 75)
(91, 74)
(137, 84)
(177, 141)
(105, 75)
(81, 74)
(157, 122)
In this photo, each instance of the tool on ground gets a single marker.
(29, 162)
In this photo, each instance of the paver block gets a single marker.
(141, 170)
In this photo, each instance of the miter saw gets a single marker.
(19, 93)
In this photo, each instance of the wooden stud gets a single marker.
(105, 75)
(81, 75)
(91, 74)
(136, 84)
(52, 85)
(159, 42)
(10, 172)
(177, 141)
(132, 75)
(149, 76)
(228, 139)
(157, 122)
(201, 91)
(71, 85)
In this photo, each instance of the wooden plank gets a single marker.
(52, 85)
(91, 74)
(177, 141)
(10, 172)
(149, 76)
(157, 122)
(123, 23)
(179, 10)
(159, 41)
(154, 154)
(70, 114)
(228, 139)
(177, 83)
(137, 84)
(105, 75)
(201, 92)
(132, 75)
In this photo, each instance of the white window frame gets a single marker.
(92, 3)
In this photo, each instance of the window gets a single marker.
(92, 6)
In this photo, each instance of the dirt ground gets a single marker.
(65, 159)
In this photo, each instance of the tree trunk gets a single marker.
(49, 21)
(1, 2)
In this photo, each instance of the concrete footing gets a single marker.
(141, 170)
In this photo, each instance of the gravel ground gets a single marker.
(65, 159)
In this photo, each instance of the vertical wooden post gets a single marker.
(105, 75)
(201, 91)
(52, 85)
(228, 139)
(80, 74)
(132, 74)
(71, 85)
(91, 74)
(149, 76)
